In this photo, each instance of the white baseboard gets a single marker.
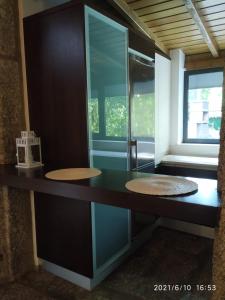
(199, 230)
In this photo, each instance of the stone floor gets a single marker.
(170, 257)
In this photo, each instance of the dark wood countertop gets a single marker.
(201, 207)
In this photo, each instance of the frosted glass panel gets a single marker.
(111, 232)
(106, 46)
(106, 52)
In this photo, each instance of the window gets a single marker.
(116, 117)
(94, 115)
(108, 118)
(202, 106)
(142, 116)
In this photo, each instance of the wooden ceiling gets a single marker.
(172, 23)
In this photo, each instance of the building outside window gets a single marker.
(202, 106)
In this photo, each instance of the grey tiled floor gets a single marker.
(170, 257)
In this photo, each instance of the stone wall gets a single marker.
(219, 257)
(219, 244)
(16, 247)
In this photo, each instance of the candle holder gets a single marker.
(28, 150)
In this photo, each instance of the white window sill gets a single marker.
(207, 163)
(198, 150)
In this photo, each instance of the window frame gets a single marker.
(185, 107)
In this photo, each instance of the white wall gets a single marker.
(31, 7)
(162, 109)
(176, 113)
(177, 87)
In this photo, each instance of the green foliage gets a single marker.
(142, 118)
(93, 115)
(205, 94)
(116, 115)
(215, 122)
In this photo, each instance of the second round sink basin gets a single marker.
(162, 185)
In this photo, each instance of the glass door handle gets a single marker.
(133, 143)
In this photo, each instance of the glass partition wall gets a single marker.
(106, 53)
(121, 123)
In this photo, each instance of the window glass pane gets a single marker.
(116, 116)
(93, 114)
(142, 115)
(107, 93)
(204, 106)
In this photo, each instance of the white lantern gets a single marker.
(28, 150)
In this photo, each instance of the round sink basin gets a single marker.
(162, 185)
(73, 174)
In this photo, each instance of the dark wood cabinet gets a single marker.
(56, 66)
(65, 241)
(56, 75)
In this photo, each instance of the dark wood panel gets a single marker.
(103, 7)
(140, 221)
(138, 40)
(56, 75)
(63, 228)
(202, 207)
(188, 172)
(141, 43)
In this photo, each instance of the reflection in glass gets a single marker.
(116, 117)
(93, 113)
(142, 114)
(107, 92)
(142, 102)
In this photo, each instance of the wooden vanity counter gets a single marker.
(201, 207)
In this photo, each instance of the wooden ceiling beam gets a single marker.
(204, 61)
(211, 43)
(130, 14)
